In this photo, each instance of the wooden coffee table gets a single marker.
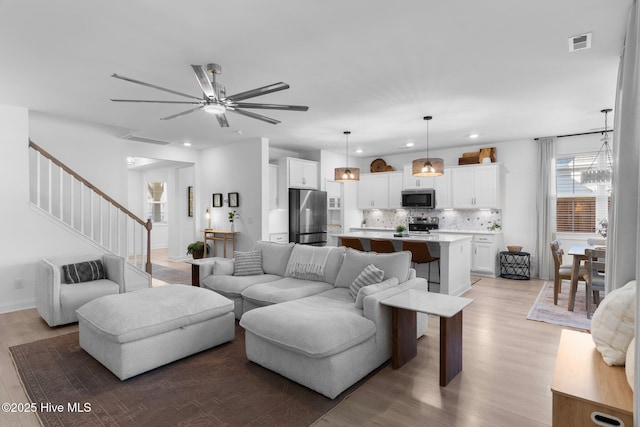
(449, 308)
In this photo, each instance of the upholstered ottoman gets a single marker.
(137, 331)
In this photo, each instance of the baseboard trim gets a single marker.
(17, 306)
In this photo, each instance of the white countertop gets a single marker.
(428, 302)
(437, 238)
(439, 230)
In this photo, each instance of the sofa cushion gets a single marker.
(334, 262)
(395, 264)
(274, 256)
(285, 289)
(232, 286)
(84, 271)
(310, 326)
(247, 263)
(365, 291)
(139, 314)
(74, 295)
(223, 267)
(613, 324)
(370, 275)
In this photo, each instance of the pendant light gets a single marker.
(428, 166)
(601, 168)
(346, 173)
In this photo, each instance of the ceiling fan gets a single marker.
(215, 99)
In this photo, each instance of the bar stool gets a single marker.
(352, 242)
(382, 246)
(420, 254)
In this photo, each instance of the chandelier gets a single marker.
(601, 167)
(346, 173)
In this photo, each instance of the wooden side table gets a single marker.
(223, 236)
(195, 269)
(585, 387)
(449, 308)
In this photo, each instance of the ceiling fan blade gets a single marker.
(258, 92)
(255, 116)
(153, 86)
(159, 102)
(173, 116)
(222, 120)
(270, 106)
(203, 80)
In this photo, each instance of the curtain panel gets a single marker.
(546, 206)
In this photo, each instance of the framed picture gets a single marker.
(234, 200)
(217, 200)
(190, 200)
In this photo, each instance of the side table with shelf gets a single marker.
(515, 265)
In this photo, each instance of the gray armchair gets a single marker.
(57, 301)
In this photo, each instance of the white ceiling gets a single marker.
(500, 68)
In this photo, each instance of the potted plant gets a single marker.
(196, 249)
(401, 230)
(364, 223)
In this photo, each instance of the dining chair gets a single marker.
(562, 272)
(382, 246)
(352, 242)
(595, 276)
(420, 254)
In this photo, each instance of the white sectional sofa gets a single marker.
(306, 325)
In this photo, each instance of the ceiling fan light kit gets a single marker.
(427, 166)
(347, 173)
(215, 100)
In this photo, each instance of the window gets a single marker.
(579, 207)
(157, 201)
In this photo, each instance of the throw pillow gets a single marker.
(365, 291)
(370, 275)
(612, 325)
(629, 367)
(247, 263)
(223, 267)
(84, 271)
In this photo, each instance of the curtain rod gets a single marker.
(579, 134)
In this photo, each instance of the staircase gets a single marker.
(63, 196)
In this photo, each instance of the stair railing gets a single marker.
(69, 198)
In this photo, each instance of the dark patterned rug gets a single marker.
(217, 387)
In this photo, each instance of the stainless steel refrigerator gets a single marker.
(308, 217)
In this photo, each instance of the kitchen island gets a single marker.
(454, 251)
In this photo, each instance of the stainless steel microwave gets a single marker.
(423, 198)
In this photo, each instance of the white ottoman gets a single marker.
(137, 331)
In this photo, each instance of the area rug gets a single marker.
(170, 275)
(544, 310)
(217, 387)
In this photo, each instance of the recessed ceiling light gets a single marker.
(186, 144)
(474, 136)
(359, 150)
(409, 144)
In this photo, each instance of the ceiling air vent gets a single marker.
(581, 42)
(147, 140)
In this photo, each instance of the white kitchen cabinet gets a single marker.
(411, 182)
(474, 187)
(484, 254)
(395, 190)
(373, 191)
(273, 186)
(300, 173)
(442, 185)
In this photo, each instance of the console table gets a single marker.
(449, 308)
(223, 236)
(585, 388)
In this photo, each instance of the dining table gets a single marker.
(579, 255)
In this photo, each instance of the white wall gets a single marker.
(92, 150)
(241, 167)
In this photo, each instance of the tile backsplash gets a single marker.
(464, 220)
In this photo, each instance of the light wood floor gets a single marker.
(507, 368)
